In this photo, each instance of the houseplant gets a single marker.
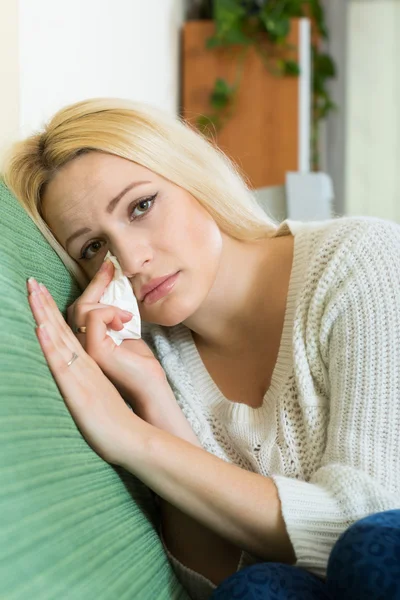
(265, 26)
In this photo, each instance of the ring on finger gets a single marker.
(81, 329)
(74, 357)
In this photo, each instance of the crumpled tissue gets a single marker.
(119, 293)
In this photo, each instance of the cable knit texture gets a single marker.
(328, 429)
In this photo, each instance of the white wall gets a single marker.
(9, 90)
(76, 49)
(373, 109)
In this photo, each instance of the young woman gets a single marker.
(266, 391)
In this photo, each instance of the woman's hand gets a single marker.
(95, 405)
(132, 366)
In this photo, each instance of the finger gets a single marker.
(57, 351)
(46, 300)
(118, 321)
(82, 310)
(69, 369)
(41, 318)
(42, 313)
(51, 307)
(53, 313)
(97, 322)
(117, 324)
(99, 283)
(120, 314)
(32, 285)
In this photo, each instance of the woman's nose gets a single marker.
(133, 259)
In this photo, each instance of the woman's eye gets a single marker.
(91, 250)
(142, 207)
(138, 211)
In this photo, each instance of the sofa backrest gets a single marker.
(71, 526)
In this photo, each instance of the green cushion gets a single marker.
(71, 526)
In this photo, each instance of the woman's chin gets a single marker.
(168, 316)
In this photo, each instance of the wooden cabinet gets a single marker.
(263, 136)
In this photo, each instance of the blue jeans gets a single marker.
(364, 565)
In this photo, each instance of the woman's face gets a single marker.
(100, 202)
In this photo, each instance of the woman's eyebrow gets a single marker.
(110, 207)
(76, 235)
(113, 203)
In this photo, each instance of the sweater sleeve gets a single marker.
(357, 337)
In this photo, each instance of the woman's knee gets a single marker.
(365, 561)
(271, 581)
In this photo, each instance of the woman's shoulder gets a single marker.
(338, 241)
(338, 255)
(351, 270)
(339, 228)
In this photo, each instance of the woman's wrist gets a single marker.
(160, 409)
(135, 441)
(165, 413)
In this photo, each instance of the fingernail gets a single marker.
(126, 313)
(32, 283)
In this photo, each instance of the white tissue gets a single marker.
(119, 293)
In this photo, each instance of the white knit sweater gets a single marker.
(328, 431)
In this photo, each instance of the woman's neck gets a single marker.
(247, 295)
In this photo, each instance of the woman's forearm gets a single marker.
(189, 541)
(166, 414)
(241, 507)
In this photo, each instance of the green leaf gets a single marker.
(294, 8)
(236, 36)
(229, 16)
(325, 106)
(325, 66)
(212, 42)
(317, 13)
(318, 83)
(225, 10)
(276, 27)
(230, 38)
(221, 94)
(222, 87)
(291, 68)
(215, 42)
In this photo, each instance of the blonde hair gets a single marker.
(166, 145)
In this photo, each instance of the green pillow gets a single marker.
(71, 526)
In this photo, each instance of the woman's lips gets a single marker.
(161, 290)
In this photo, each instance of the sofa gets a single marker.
(71, 525)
